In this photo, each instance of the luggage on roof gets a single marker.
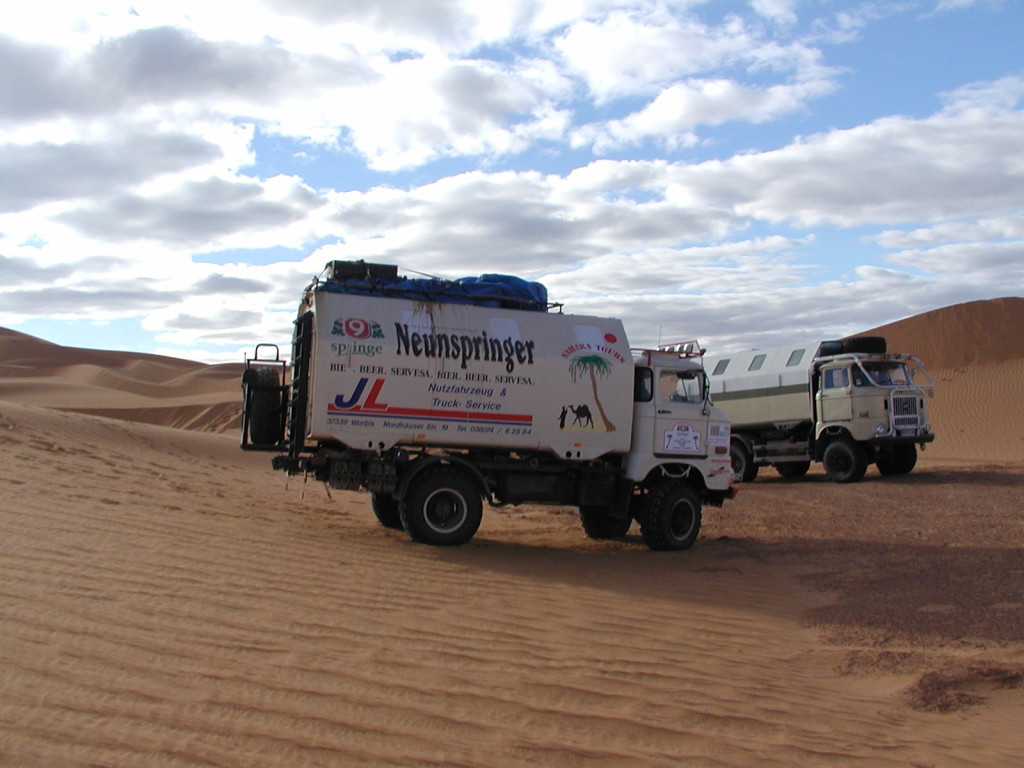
(488, 290)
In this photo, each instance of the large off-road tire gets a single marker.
(792, 469)
(599, 524)
(744, 470)
(266, 406)
(844, 461)
(897, 460)
(671, 520)
(442, 507)
(387, 511)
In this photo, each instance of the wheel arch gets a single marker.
(676, 470)
(747, 441)
(427, 462)
(827, 435)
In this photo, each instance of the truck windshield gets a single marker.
(681, 386)
(884, 375)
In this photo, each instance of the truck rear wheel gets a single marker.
(443, 507)
(386, 510)
(792, 469)
(897, 460)
(266, 406)
(844, 461)
(744, 470)
(599, 524)
(671, 520)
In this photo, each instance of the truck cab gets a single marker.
(673, 418)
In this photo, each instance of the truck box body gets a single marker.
(761, 387)
(390, 371)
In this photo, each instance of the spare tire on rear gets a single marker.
(265, 406)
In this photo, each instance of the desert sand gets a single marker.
(168, 600)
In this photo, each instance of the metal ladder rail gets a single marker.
(302, 347)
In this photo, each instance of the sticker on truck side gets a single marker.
(366, 401)
(682, 439)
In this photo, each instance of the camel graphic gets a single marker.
(581, 415)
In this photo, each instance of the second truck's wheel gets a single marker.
(792, 469)
(442, 507)
(897, 460)
(744, 470)
(386, 510)
(266, 406)
(599, 524)
(671, 520)
(844, 461)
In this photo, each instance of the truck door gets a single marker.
(680, 423)
(836, 395)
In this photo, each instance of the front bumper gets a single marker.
(885, 440)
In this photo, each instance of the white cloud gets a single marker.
(781, 11)
(199, 214)
(670, 119)
(951, 5)
(605, 53)
(957, 162)
(981, 263)
(987, 229)
(427, 108)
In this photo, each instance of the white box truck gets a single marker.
(846, 403)
(435, 395)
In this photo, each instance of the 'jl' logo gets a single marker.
(352, 403)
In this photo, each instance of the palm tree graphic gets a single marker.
(594, 366)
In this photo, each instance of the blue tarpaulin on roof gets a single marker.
(489, 290)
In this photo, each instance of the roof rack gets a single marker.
(683, 348)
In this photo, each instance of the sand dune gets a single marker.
(168, 600)
(150, 389)
(977, 332)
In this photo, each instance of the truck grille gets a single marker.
(905, 414)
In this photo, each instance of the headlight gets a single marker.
(880, 429)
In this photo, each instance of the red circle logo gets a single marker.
(611, 338)
(356, 328)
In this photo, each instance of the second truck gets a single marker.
(435, 395)
(846, 403)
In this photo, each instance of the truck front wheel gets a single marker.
(671, 520)
(844, 461)
(897, 460)
(744, 470)
(442, 507)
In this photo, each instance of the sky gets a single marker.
(746, 173)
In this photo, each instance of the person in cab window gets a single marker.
(686, 386)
